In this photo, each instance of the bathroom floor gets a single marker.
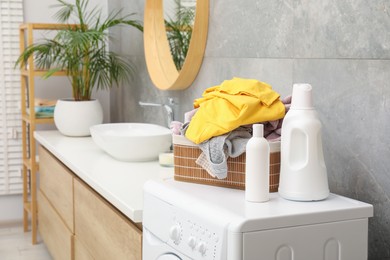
(16, 245)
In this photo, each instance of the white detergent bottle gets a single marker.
(257, 166)
(303, 175)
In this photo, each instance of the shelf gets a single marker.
(27, 163)
(46, 120)
(41, 73)
(47, 26)
(27, 207)
(30, 170)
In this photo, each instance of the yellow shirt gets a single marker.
(234, 103)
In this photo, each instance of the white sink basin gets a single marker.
(132, 142)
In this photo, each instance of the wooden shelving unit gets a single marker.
(29, 122)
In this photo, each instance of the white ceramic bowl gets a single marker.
(132, 142)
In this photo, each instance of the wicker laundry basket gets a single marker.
(186, 152)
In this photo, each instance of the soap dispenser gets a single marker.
(303, 175)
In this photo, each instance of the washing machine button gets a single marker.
(192, 242)
(202, 247)
(175, 234)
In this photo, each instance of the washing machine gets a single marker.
(192, 221)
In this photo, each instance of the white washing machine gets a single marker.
(192, 221)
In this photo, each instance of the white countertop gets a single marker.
(120, 183)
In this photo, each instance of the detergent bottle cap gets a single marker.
(301, 96)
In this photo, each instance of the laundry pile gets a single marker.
(221, 122)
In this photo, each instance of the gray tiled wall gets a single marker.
(341, 47)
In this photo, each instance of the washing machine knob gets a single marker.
(175, 233)
(192, 242)
(202, 247)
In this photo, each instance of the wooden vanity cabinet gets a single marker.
(102, 229)
(55, 206)
(75, 222)
(57, 237)
(80, 251)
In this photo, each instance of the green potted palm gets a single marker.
(82, 52)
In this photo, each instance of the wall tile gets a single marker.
(340, 47)
(250, 29)
(341, 29)
(125, 100)
(352, 97)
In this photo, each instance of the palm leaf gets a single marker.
(179, 32)
(65, 11)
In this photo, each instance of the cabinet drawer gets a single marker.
(56, 182)
(80, 251)
(102, 229)
(57, 237)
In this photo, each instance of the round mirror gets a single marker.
(179, 22)
(161, 66)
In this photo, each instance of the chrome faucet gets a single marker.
(168, 109)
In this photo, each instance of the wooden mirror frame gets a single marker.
(159, 62)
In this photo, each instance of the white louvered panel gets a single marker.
(11, 13)
(11, 111)
(11, 16)
(13, 173)
(12, 156)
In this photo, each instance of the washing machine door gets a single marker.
(168, 257)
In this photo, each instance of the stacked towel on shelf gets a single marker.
(44, 108)
(42, 112)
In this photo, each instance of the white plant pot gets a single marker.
(74, 118)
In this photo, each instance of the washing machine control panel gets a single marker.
(195, 236)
